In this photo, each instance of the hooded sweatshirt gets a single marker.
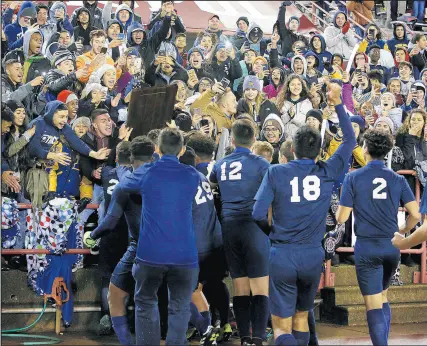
(47, 134)
(260, 45)
(323, 55)
(395, 42)
(314, 78)
(303, 61)
(14, 32)
(95, 15)
(276, 146)
(36, 65)
(115, 52)
(65, 23)
(79, 31)
(106, 15)
(336, 41)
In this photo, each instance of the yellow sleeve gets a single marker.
(358, 156)
(386, 47)
(203, 101)
(363, 46)
(53, 178)
(86, 188)
(333, 146)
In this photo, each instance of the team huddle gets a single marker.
(268, 233)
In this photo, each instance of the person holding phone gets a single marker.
(83, 28)
(116, 39)
(339, 37)
(225, 63)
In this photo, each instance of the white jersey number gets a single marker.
(382, 184)
(234, 173)
(111, 188)
(200, 199)
(310, 188)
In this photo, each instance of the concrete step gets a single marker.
(350, 295)
(345, 275)
(355, 315)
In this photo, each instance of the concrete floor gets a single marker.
(401, 334)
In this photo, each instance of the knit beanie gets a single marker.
(14, 105)
(273, 122)
(386, 120)
(245, 19)
(315, 113)
(194, 50)
(85, 121)
(392, 97)
(62, 55)
(251, 82)
(66, 96)
(358, 120)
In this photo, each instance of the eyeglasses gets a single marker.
(271, 129)
(27, 19)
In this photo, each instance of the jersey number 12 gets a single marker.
(310, 188)
(234, 174)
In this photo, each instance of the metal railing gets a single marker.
(419, 277)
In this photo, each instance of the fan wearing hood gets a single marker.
(95, 14)
(313, 73)
(399, 40)
(288, 31)
(254, 102)
(177, 24)
(400, 55)
(318, 46)
(423, 76)
(339, 37)
(299, 66)
(116, 47)
(59, 17)
(273, 132)
(83, 27)
(225, 64)
(123, 14)
(254, 39)
(242, 29)
(15, 32)
(293, 103)
(162, 73)
(196, 62)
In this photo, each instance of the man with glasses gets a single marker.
(15, 32)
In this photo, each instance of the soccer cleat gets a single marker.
(95, 249)
(225, 333)
(191, 333)
(209, 338)
(105, 326)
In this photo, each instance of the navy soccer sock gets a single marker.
(377, 327)
(302, 338)
(121, 327)
(200, 320)
(387, 315)
(312, 328)
(259, 317)
(286, 340)
(242, 312)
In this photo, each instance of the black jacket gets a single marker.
(95, 15)
(155, 78)
(267, 107)
(420, 60)
(56, 81)
(80, 31)
(229, 69)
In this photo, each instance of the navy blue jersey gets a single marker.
(300, 192)
(109, 181)
(206, 225)
(203, 168)
(374, 192)
(168, 189)
(239, 176)
(122, 203)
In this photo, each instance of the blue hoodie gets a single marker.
(323, 55)
(15, 32)
(47, 134)
(135, 26)
(130, 20)
(395, 42)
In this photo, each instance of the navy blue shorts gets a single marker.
(294, 278)
(246, 248)
(122, 274)
(376, 261)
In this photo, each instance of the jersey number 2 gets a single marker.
(234, 173)
(202, 199)
(310, 188)
(377, 194)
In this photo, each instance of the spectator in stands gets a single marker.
(225, 64)
(123, 14)
(400, 55)
(418, 53)
(277, 78)
(359, 9)
(196, 62)
(83, 27)
(373, 36)
(339, 37)
(240, 37)
(255, 40)
(318, 46)
(164, 70)
(374, 52)
(94, 11)
(399, 40)
(116, 46)
(406, 77)
(273, 132)
(213, 28)
(72, 102)
(15, 31)
(394, 86)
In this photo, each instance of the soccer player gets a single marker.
(139, 152)
(239, 176)
(300, 194)
(167, 244)
(374, 193)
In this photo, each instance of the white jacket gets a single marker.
(298, 120)
(338, 43)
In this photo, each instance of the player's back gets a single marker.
(239, 176)
(302, 197)
(206, 225)
(376, 192)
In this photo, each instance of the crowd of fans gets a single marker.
(67, 81)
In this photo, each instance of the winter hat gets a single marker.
(93, 83)
(62, 55)
(386, 120)
(251, 82)
(132, 52)
(85, 121)
(315, 113)
(101, 71)
(220, 46)
(14, 105)
(28, 10)
(215, 16)
(194, 50)
(392, 97)
(420, 86)
(245, 19)
(358, 120)
(272, 122)
(66, 96)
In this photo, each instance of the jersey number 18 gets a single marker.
(310, 188)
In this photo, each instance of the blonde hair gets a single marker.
(406, 124)
(260, 148)
(258, 102)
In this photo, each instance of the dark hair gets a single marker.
(6, 113)
(42, 6)
(123, 153)
(407, 64)
(61, 107)
(10, 62)
(417, 37)
(285, 150)
(243, 133)
(97, 112)
(379, 33)
(97, 33)
(378, 143)
(285, 93)
(203, 146)
(154, 136)
(189, 157)
(375, 75)
(181, 35)
(141, 149)
(307, 143)
(171, 142)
